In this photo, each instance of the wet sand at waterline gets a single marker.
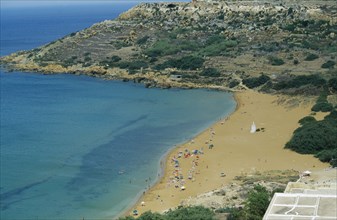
(235, 151)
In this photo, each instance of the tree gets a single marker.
(257, 203)
(151, 216)
(190, 213)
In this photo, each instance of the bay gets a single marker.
(77, 146)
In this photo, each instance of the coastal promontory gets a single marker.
(203, 43)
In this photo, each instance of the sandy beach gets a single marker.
(228, 149)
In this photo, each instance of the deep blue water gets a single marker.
(65, 138)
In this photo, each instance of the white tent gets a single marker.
(253, 128)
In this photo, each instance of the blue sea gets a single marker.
(76, 147)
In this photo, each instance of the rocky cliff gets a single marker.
(205, 43)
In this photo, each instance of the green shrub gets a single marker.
(120, 44)
(315, 137)
(181, 213)
(151, 216)
(254, 82)
(322, 104)
(184, 63)
(329, 64)
(332, 117)
(214, 39)
(143, 40)
(217, 48)
(323, 97)
(87, 59)
(257, 203)
(233, 213)
(311, 57)
(115, 58)
(233, 83)
(329, 156)
(332, 84)
(110, 62)
(289, 27)
(306, 119)
(138, 64)
(299, 81)
(168, 47)
(296, 62)
(159, 48)
(275, 61)
(132, 66)
(190, 213)
(322, 107)
(210, 72)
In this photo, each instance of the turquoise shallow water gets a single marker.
(65, 138)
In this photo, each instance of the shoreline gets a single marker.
(164, 161)
(171, 197)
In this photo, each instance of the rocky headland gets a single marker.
(205, 43)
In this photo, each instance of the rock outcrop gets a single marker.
(232, 40)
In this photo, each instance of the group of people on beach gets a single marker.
(177, 179)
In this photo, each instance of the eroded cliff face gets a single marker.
(207, 43)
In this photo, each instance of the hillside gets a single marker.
(213, 44)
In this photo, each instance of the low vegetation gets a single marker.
(329, 64)
(254, 82)
(217, 45)
(317, 137)
(143, 40)
(181, 213)
(210, 72)
(306, 119)
(298, 81)
(184, 63)
(210, 44)
(275, 61)
(254, 208)
(311, 57)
